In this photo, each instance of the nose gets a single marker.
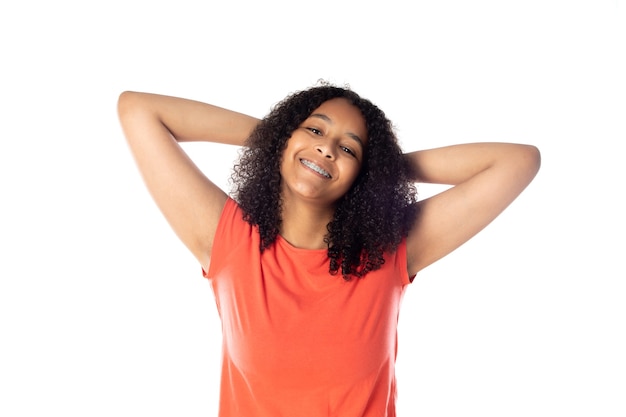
(326, 150)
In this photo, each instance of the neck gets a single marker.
(304, 225)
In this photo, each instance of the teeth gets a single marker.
(315, 168)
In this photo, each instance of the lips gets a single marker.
(316, 168)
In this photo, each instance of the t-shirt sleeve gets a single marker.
(225, 225)
(402, 264)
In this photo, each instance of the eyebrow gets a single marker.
(329, 120)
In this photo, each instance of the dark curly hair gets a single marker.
(373, 216)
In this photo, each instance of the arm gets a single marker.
(486, 178)
(153, 126)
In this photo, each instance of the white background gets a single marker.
(104, 313)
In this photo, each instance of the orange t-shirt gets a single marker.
(298, 341)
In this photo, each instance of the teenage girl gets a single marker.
(309, 254)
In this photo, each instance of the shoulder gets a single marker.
(395, 264)
(232, 230)
(231, 221)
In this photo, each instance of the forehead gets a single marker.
(342, 114)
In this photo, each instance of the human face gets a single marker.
(324, 154)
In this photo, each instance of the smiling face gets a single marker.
(324, 154)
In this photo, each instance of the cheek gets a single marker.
(286, 151)
(353, 170)
(290, 148)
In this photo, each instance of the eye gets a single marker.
(347, 150)
(314, 131)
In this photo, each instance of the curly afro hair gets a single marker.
(371, 219)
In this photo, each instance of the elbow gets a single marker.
(126, 102)
(534, 158)
(529, 163)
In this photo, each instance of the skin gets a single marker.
(485, 177)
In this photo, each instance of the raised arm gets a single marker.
(486, 178)
(153, 126)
